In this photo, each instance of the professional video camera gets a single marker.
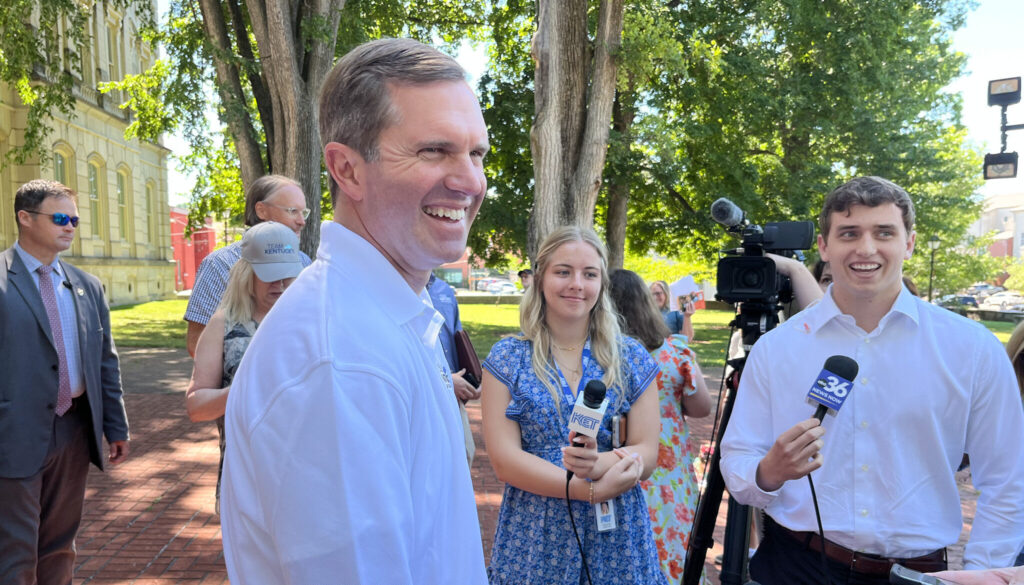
(746, 274)
(748, 277)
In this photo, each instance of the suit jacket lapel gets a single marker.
(20, 279)
(77, 290)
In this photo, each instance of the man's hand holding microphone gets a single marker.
(797, 451)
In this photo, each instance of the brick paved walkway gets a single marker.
(150, 521)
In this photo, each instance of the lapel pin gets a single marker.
(80, 291)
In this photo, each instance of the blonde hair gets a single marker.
(237, 303)
(603, 328)
(664, 289)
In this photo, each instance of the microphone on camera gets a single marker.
(727, 213)
(833, 385)
(588, 412)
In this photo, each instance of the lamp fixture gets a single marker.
(1001, 166)
(1004, 92)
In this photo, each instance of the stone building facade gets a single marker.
(123, 236)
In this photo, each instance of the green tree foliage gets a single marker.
(1015, 274)
(769, 104)
(506, 95)
(225, 69)
(652, 268)
(41, 50)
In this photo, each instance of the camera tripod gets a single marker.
(755, 318)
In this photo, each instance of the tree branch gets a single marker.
(755, 151)
(253, 73)
(229, 87)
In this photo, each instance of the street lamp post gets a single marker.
(1003, 93)
(933, 244)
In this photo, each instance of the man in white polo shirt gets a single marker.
(345, 458)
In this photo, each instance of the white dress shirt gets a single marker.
(345, 460)
(931, 386)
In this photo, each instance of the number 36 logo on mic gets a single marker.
(834, 385)
(830, 390)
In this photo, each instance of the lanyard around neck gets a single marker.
(566, 391)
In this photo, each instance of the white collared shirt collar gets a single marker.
(32, 263)
(818, 314)
(344, 249)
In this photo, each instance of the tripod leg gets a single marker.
(737, 544)
(702, 533)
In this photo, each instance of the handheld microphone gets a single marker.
(727, 213)
(588, 412)
(834, 384)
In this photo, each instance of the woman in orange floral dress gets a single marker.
(672, 488)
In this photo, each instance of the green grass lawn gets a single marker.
(711, 336)
(153, 324)
(486, 324)
(159, 324)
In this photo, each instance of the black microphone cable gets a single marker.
(572, 520)
(592, 397)
(821, 533)
(828, 383)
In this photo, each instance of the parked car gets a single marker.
(957, 303)
(502, 287)
(483, 283)
(1006, 300)
(983, 290)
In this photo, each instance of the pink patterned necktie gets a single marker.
(50, 302)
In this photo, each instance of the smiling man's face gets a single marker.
(865, 249)
(426, 187)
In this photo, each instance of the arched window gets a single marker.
(95, 207)
(126, 208)
(122, 204)
(99, 214)
(60, 168)
(65, 171)
(64, 165)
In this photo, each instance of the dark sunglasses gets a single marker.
(60, 218)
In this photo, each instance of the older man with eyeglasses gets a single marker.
(270, 198)
(60, 389)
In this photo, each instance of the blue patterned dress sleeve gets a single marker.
(639, 367)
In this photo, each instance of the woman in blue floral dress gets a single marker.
(570, 336)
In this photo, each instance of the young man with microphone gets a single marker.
(931, 386)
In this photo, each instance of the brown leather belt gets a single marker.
(78, 402)
(864, 563)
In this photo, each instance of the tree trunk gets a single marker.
(294, 76)
(574, 88)
(618, 183)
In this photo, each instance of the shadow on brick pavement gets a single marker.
(151, 520)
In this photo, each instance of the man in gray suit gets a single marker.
(60, 389)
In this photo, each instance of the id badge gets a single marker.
(605, 514)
